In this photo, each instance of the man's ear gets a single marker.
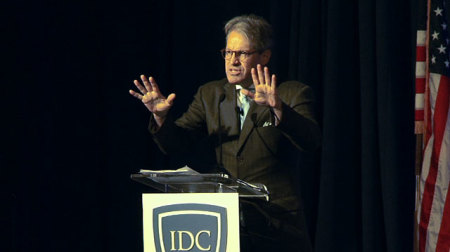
(265, 56)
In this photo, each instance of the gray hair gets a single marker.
(257, 30)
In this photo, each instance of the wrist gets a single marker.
(159, 119)
(278, 104)
(277, 112)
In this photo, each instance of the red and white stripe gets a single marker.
(434, 215)
(420, 78)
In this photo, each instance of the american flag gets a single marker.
(434, 211)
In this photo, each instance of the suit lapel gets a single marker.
(228, 111)
(254, 115)
(231, 121)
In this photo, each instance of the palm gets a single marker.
(157, 105)
(265, 95)
(265, 88)
(152, 98)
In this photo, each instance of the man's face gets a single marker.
(238, 70)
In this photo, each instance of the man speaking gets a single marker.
(255, 126)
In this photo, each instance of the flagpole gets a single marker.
(418, 169)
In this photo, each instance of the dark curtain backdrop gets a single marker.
(72, 134)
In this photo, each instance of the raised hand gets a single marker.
(265, 88)
(152, 98)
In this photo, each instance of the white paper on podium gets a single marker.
(181, 171)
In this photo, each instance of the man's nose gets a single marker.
(235, 60)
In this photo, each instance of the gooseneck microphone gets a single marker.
(239, 110)
(221, 168)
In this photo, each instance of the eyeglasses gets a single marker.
(242, 55)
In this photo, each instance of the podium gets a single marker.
(187, 182)
(193, 211)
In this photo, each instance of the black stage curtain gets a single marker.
(73, 134)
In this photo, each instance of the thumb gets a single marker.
(170, 99)
(248, 93)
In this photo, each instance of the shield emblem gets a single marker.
(190, 227)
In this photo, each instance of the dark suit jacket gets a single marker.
(260, 152)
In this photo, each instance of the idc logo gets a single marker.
(190, 227)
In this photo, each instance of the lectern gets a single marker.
(193, 211)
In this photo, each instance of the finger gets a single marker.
(140, 87)
(146, 83)
(170, 98)
(254, 77)
(154, 85)
(274, 84)
(138, 96)
(260, 75)
(267, 75)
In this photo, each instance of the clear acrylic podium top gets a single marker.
(174, 181)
